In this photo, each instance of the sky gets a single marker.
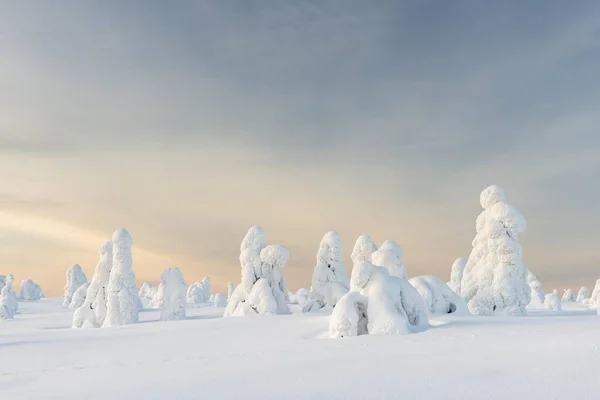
(188, 122)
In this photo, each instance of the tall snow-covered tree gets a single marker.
(495, 279)
(595, 297)
(263, 288)
(456, 274)
(174, 289)
(389, 255)
(330, 280)
(30, 290)
(568, 296)
(122, 308)
(583, 295)
(363, 248)
(75, 278)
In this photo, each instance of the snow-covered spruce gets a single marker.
(363, 248)
(537, 294)
(389, 255)
(220, 300)
(75, 278)
(330, 280)
(174, 291)
(568, 296)
(30, 290)
(9, 303)
(595, 297)
(79, 296)
(583, 295)
(552, 302)
(230, 289)
(199, 292)
(122, 306)
(377, 304)
(456, 274)
(438, 297)
(495, 279)
(146, 294)
(263, 288)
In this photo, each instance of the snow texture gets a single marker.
(174, 295)
(220, 300)
(389, 255)
(552, 302)
(495, 279)
(79, 296)
(330, 280)
(568, 296)
(263, 289)
(75, 278)
(122, 308)
(438, 297)
(363, 249)
(30, 290)
(377, 305)
(583, 294)
(456, 274)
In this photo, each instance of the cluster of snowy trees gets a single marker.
(9, 301)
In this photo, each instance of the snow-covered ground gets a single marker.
(546, 355)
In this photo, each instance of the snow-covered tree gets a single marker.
(300, 297)
(122, 308)
(174, 290)
(595, 297)
(583, 294)
(230, 289)
(537, 294)
(220, 300)
(376, 305)
(389, 255)
(8, 299)
(79, 296)
(2, 281)
(75, 278)
(495, 279)
(438, 296)
(568, 296)
(146, 294)
(199, 292)
(263, 289)
(363, 248)
(552, 302)
(30, 290)
(330, 280)
(456, 274)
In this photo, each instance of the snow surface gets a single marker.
(288, 357)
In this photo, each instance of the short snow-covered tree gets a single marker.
(146, 294)
(363, 248)
(495, 279)
(376, 305)
(8, 299)
(75, 278)
(552, 302)
(79, 296)
(583, 294)
(199, 292)
(330, 280)
(174, 290)
(595, 297)
(389, 255)
(263, 288)
(537, 294)
(456, 274)
(300, 297)
(220, 300)
(568, 296)
(30, 290)
(438, 296)
(122, 308)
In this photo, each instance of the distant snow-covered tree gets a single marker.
(595, 297)
(263, 289)
(199, 292)
(495, 279)
(146, 294)
(568, 296)
(230, 289)
(537, 294)
(122, 308)
(30, 290)
(376, 305)
(552, 302)
(583, 294)
(389, 255)
(75, 278)
(9, 303)
(456, 274)
(220, 300)
(174, 290)
(363, 248)
(2, 281)
(79, 296)
(438, 296)
(330, 280)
